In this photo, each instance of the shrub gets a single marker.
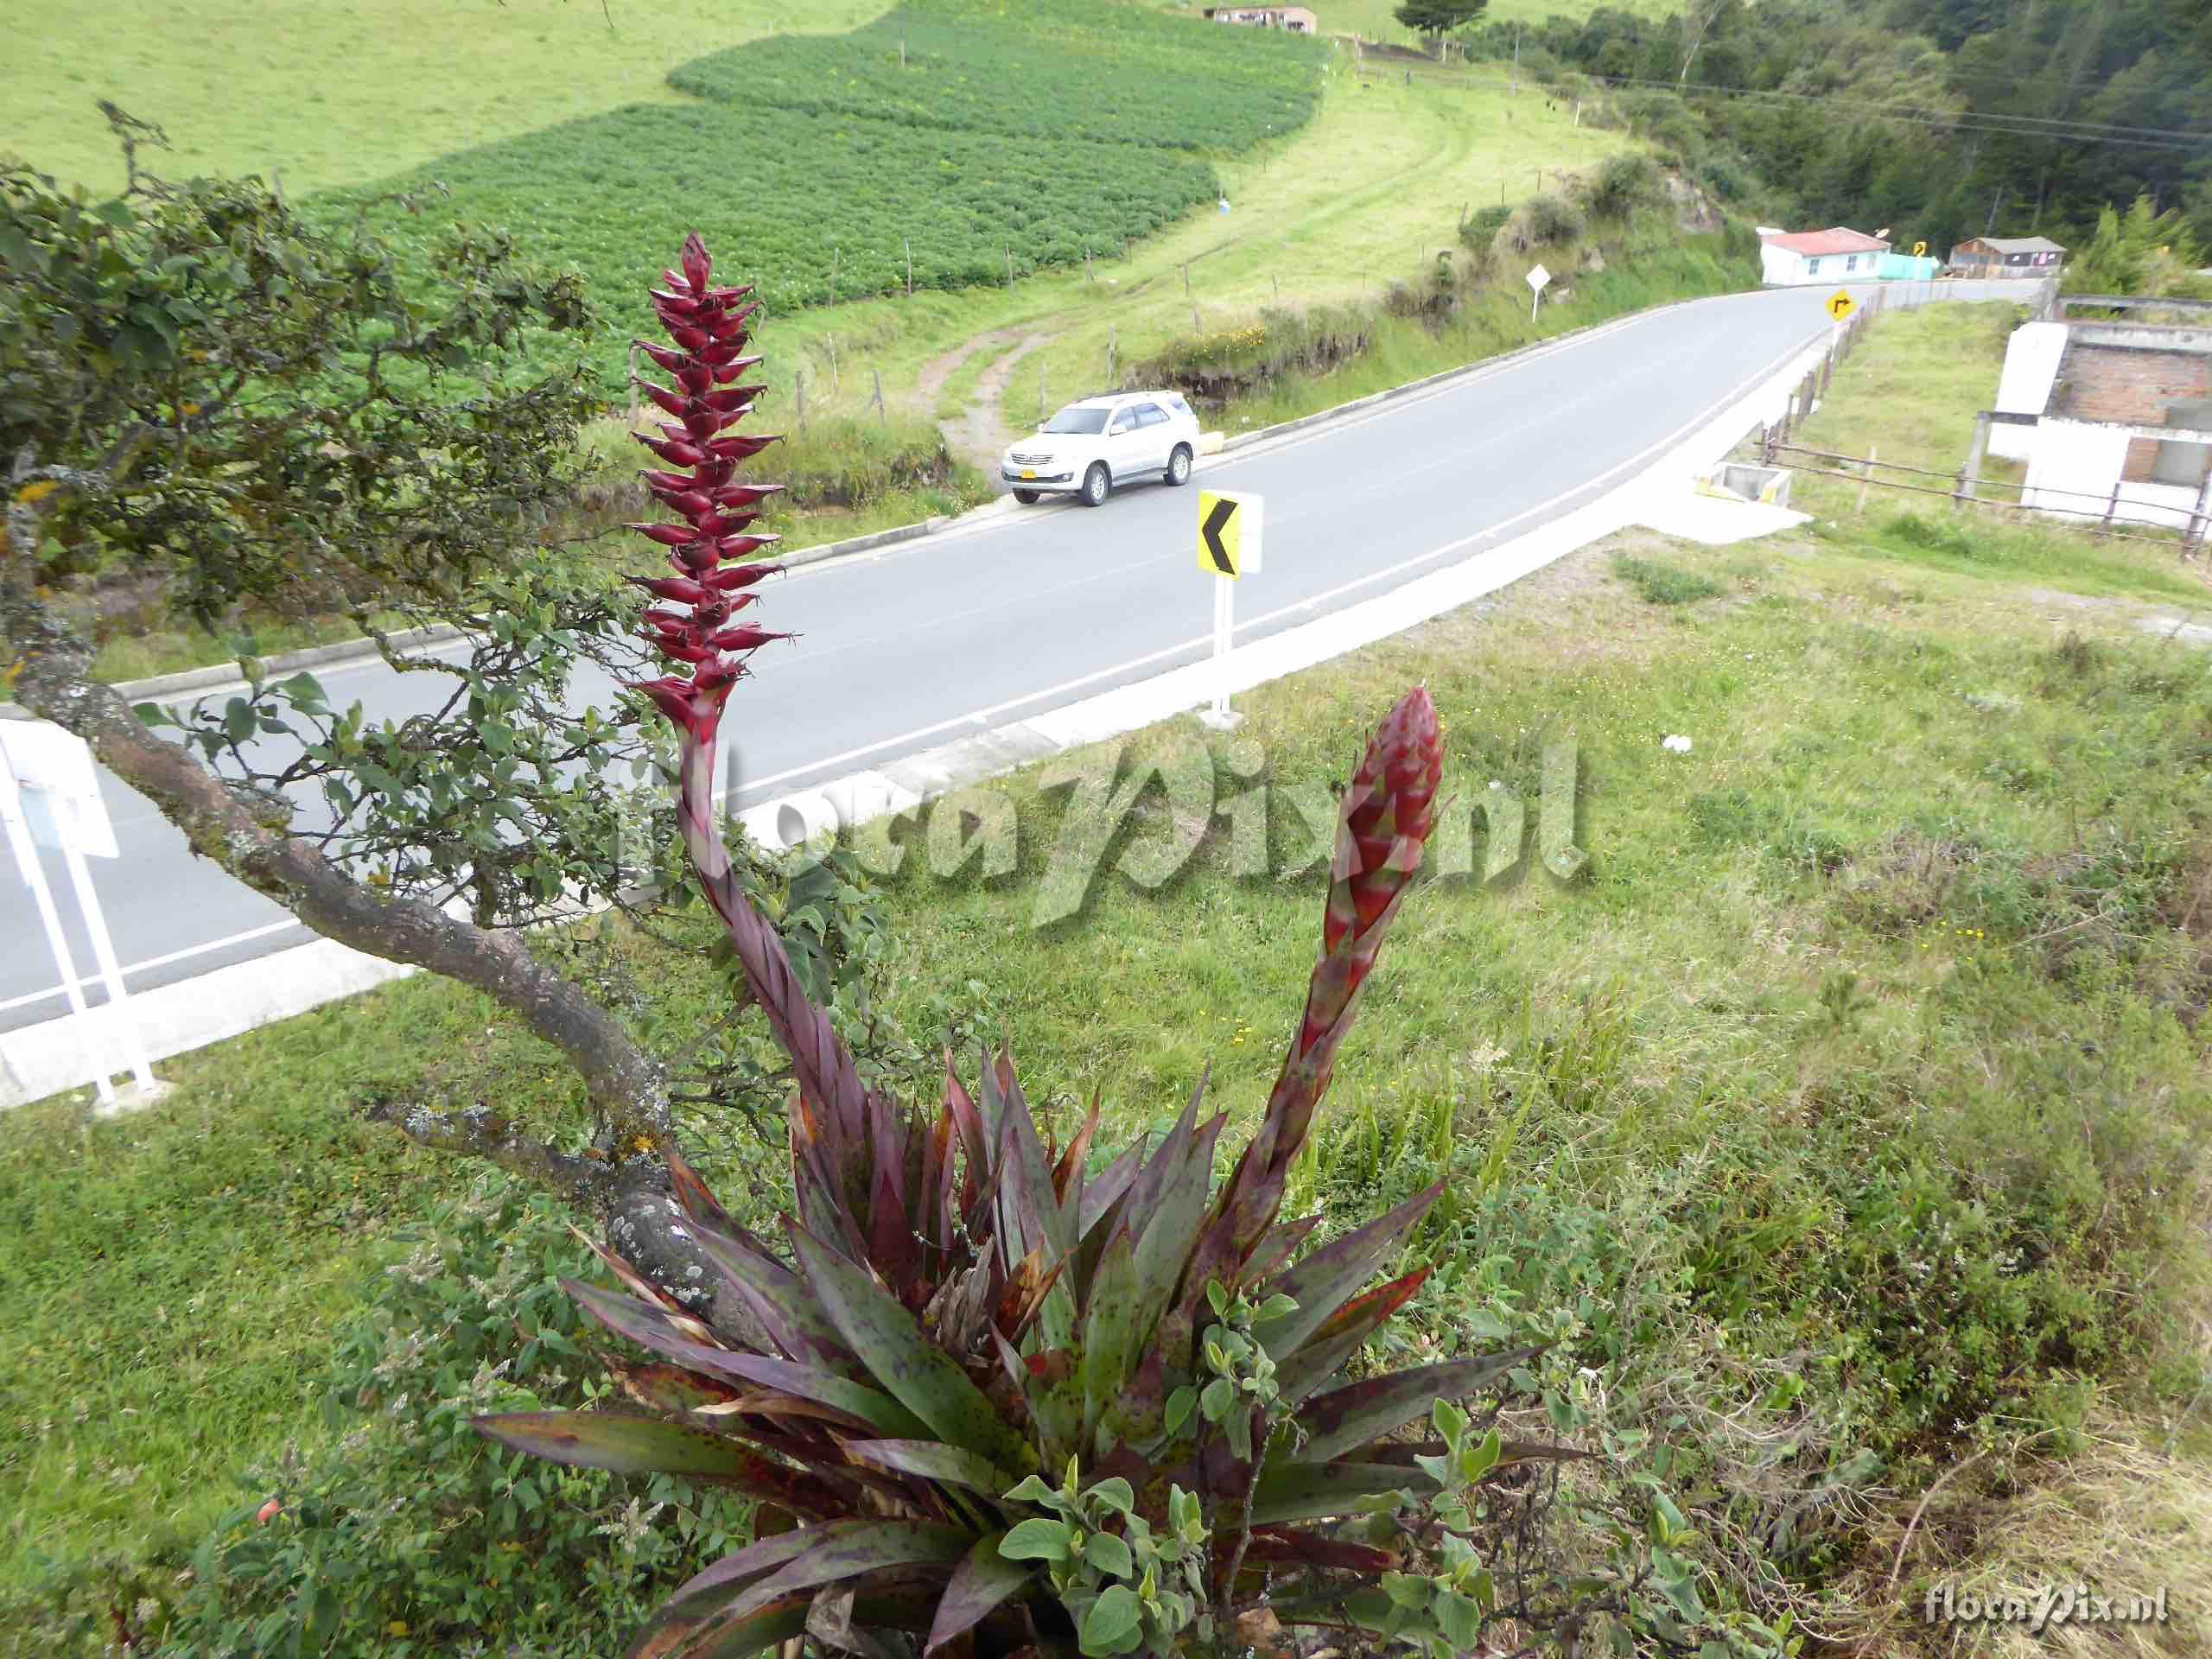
(1553, 221)
(411, 1536)
(1665, 120)
(1482, 225)
(1622, 184)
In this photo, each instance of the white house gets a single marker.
(1793, 258)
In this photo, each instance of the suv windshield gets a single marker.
(1075, 419)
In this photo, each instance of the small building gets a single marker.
(1297, 19)
(2112, 417)
(2007, 255)
(1794, 258)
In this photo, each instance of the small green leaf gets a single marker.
(1667, 1524)
(1405, 1590)
(1460, 1618)
(1114, 1493)
(1481, 1459)
(1113, 1623)
(1180, 1404)
(1036, 1540)
(1219, 1395)
(1109, 1555)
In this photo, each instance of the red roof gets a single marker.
(1834, 239)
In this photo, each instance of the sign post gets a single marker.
(1538, 279)
(1228, 548)
(50, 797)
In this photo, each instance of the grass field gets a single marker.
(345, 92)
(1845, 1123)
(1366, 194)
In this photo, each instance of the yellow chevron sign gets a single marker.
(1229, 533)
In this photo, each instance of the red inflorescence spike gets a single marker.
(711, 326)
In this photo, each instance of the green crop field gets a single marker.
(1051, 73)
(338, 91)
(980, 142)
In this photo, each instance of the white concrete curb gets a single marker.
(43, 1059)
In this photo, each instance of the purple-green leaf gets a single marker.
(1341, 1336)
(1314, 1491)
(934, 1460)
(629, 1445)
(616, 1440)
(705, 1594)
(911, 1368)
(723, 1636)
(1329, 1278)
(984, 1579)
(855, 1551)
(1346, 1419)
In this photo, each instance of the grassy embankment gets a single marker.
(1844, 1122)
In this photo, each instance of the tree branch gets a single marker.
(481, 1132)
(54, 681)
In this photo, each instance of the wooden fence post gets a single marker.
(798, 381)
(879, 414)
(634, 385)
(910, 265)
(2193, 538)
(1873, 454)
(1112, 343)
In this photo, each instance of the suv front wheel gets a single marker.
(1095, 483)
(1178, 465)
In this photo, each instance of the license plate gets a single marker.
(1030, 472)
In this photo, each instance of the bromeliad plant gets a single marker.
(995, 1399)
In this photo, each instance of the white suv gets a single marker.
(1090, 447)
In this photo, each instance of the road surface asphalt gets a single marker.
(1000, 620)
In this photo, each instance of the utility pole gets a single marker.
(1516, 63)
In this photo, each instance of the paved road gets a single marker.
(1003, 620)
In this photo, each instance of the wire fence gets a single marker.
(1963, 487)
(1965, 491)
